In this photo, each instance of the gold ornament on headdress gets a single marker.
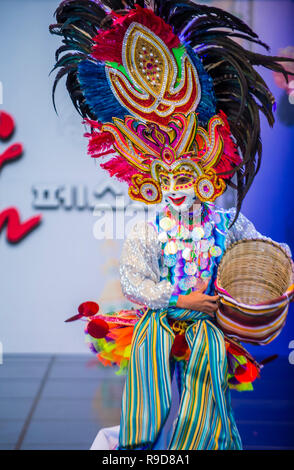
(182, 144)
(153, 82)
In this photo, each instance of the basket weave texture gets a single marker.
(255, 271)
(253, 281)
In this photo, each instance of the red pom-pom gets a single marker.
(179, 346)
(97, 328)
(246, 373)
(6, 125)
(87, 309)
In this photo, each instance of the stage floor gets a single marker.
(61, 401)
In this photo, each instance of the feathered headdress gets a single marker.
(163, 84)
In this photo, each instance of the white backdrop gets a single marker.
(60, 264)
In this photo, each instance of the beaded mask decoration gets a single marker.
(165, 89)
(181, 145)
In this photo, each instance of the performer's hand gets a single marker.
(199, 301)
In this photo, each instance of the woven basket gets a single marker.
(254, 282)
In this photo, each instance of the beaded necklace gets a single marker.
(189, 250)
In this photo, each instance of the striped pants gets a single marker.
(205, 419)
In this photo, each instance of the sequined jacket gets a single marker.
(140, 268)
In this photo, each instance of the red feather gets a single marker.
(100, 143)
(108, 44)
(120, 168)
(230, 157)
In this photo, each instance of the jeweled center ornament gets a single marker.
(157, 85)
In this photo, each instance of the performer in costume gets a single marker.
(172, 102)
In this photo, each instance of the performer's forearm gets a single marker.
(198, 301)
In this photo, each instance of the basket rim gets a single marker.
(280, 298)
(259, 240)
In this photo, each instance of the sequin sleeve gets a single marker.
(244, 229)
(139, 268)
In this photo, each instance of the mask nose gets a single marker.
(172, 188)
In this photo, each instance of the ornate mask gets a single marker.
(158, 93)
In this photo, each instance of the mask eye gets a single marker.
(183, 180)
(165, 180)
